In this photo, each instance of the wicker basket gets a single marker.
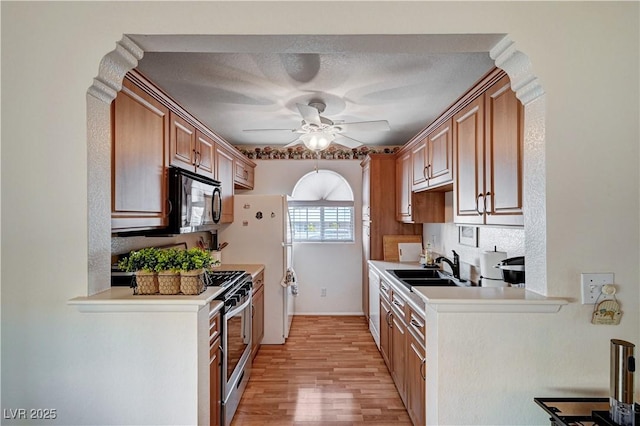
(192, 282)
(146, 282)
(169, 282)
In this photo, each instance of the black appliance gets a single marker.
(512, 270)
(236, 336)
(195, 203)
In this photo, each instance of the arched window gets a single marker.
(322, 209)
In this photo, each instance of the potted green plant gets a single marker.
(143, 262)
(192, 264)
(168, 269)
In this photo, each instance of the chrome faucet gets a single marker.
(455, 265)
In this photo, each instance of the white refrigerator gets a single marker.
(261, 234)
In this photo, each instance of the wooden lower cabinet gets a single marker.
(215, 369)
(398, 345)
(416, 380)
(385, 332)
(257, 323)
(402, 346)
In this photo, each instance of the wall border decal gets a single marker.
(334, 152)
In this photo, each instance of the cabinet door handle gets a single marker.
(487, 211)
(195, 158)
(423, 365)
(416, 323)
(426, 169)
(478, 204)
(389, 319)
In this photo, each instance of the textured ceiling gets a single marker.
(254, 82)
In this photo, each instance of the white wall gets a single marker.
(335, 267)
(585, 54)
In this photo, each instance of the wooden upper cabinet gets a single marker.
(419, 161)
(468, 131)
(504, 145)
(224, 174)
(205, 155)
(488, 142)
(440, 154)
(432, 159)
(182, 143)
(190, 148)
(139, 180)
(244, 175)
(415, 207)
(403, 188)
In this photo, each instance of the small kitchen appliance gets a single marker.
(195, 203)
(622, 368)
(512, 270)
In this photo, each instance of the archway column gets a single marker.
(529, 91)
(113, 67)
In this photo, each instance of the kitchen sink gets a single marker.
(415, 273)
(429, 282)
(426, 278)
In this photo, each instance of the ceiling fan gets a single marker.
(317, 132)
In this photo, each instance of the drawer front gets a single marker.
(399, 305)
(416, 324)
(214, 346)
(214, 327)
(385, 290)
(258, 282)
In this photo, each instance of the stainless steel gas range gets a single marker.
(236, 336)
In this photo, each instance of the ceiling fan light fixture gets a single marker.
(317, 141)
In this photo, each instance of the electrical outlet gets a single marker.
(592, 286)
(323, 292)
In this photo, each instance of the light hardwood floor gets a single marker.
(328, 373)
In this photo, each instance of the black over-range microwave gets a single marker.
(195, 202)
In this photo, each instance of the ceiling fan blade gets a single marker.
(309, 114)
(364, 126)
(348, 142)
(269, 130)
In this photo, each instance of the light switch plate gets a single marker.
(592, 286)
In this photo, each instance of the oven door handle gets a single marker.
(237, 309)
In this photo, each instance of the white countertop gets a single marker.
(122, 299)
(473, 299)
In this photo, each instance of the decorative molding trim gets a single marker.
(518, 67)
(278, 152)
(113, 68)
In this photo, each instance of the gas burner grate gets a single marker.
(223, 278)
